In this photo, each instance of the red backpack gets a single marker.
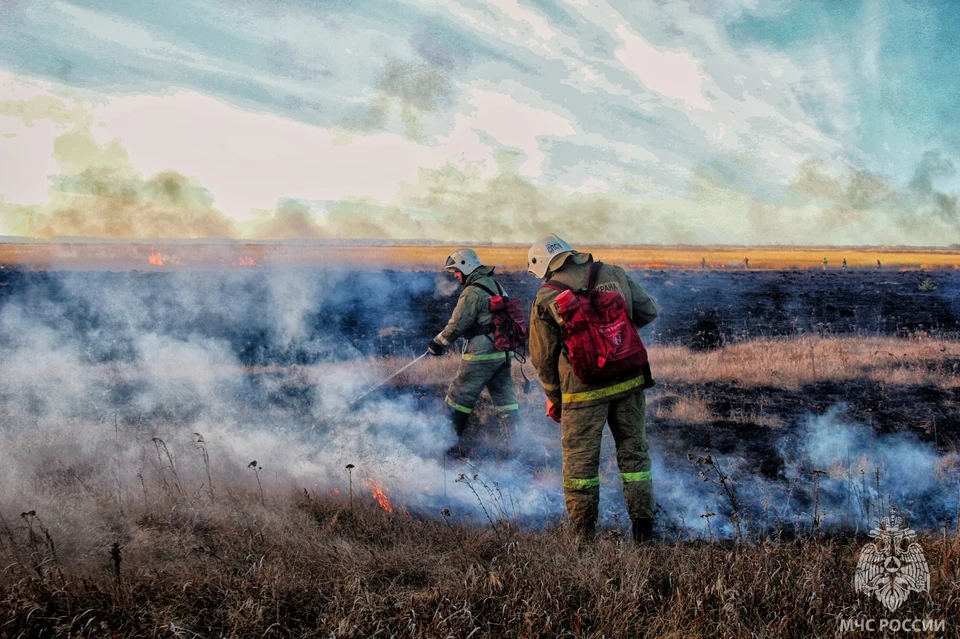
(509, 327)
(600, 339)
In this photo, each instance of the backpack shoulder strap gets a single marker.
(482, 288)
(591, 280)
(557, 286)
(594, 275)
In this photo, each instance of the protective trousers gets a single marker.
(462, 396)
(582, 430)
(475, 375)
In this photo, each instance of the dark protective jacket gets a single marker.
(472, 318)
(546, 345)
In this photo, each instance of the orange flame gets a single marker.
(377, 490)
(245, 260)
(657, 265)
(335, 491)
(155, 259)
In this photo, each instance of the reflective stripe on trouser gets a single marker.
(487, 357)
(582, 429)
(473, 376)
(600, 393)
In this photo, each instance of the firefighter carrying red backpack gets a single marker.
(509, 326)
(597, 333)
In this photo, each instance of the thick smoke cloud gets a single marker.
(837, 475)
(102, 376)
(416, 87)
(108, 381)
(293, 221)
(98, 193)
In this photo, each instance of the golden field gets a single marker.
(221, 254)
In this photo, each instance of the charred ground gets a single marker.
(393, 312)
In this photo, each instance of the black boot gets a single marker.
(643, 531)
(459, 420)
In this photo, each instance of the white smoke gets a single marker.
(105, 379)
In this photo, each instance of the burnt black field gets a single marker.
(391, 313)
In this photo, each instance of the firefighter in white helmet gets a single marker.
(583, 408)
(482, 365)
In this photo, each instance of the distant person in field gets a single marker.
(481, 365)
(746, 262)
(583, 392)
(844, 265)
(703, 262)
(878, 265)
(825, 263)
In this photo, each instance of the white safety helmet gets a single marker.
(464, 260)
(545, 252)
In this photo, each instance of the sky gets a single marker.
(674, 121)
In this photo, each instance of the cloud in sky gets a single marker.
(732, 121)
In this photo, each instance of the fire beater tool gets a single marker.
(371, 389)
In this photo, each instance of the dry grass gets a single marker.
(692, 409)
(794, 362)
(774, 362)
(126, 255)
(312, 566)
(193, 563)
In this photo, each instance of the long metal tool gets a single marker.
(365, 393)
(370, 390)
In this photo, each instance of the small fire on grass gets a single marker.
(378, 492)
(156, 258)
(245, 260)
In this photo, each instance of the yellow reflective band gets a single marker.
(485, 357)
(643, 475)
(576, 484)
(600, 393)
(456, 406)
(507, 407)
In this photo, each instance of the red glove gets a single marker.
(553, 410)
